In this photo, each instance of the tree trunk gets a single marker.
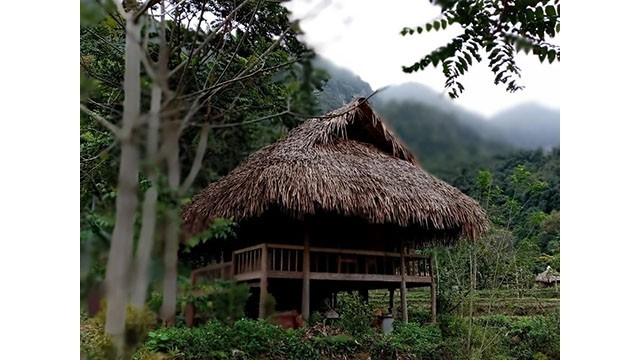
(147, 232)
(120, 251)
(170, 282)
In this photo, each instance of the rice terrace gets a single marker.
(247, 194)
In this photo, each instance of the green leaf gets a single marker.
(444, 23)
(428, 27)
(539, 13)
(551, 56)
(541, 56)
(419, 30)
(530, 14)
(550, 10)
(557, 27)
(468, 57)
(436, 25)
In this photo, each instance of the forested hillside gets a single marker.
(442, 142)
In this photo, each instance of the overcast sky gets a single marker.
(364, 37)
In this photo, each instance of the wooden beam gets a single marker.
(306, 266)
(256, 275)
(433, 292)
(403, 284)
(264, 292)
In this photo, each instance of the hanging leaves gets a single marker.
(500, 28)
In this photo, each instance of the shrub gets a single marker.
(94, 344)
(222, 300)
(245, 339)
(355, 316)
(501, 336)
(485, 341)
(419, 315)
(334, 346)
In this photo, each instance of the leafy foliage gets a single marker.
(356, 316)
(499, 28)
(223, 300)
(95, 344)
(284, 86)
(245, 339)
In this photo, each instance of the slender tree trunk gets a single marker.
(472, 293)
(120, 252)
(149, 213)
(170, 282)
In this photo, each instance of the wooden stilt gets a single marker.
(403, 285)
(433, 291)
(392, 306)
(305, 275)
(264, 292)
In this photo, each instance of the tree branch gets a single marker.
(104, 122)
(197, 161)
(208, 38)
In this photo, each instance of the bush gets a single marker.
(222, 300)
(486, 342)
(421, 342)
(355, 316)
(94, 344)
(501, 336)
(419, 315)
(246, 339)
(334, 346)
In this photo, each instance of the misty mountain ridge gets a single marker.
(529, 125)
(443, 135)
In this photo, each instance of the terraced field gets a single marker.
(536, 301)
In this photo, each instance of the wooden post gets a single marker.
(433, 291)
(392, 306)
(403, 284)
(305, 274)
(263, 282)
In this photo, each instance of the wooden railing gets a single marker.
(287, 259)
(212, 272)
(247, 260)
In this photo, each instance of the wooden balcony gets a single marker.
(286, 262)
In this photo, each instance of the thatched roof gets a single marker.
(346, 162)
(549, 276)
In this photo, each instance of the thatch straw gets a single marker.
(346, 162)
(549, 276)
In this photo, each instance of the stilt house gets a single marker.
(339, 204)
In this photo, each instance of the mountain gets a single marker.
(342, 86)
(442, 142)
(529, 126)
(443, 135)
(416, 92)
